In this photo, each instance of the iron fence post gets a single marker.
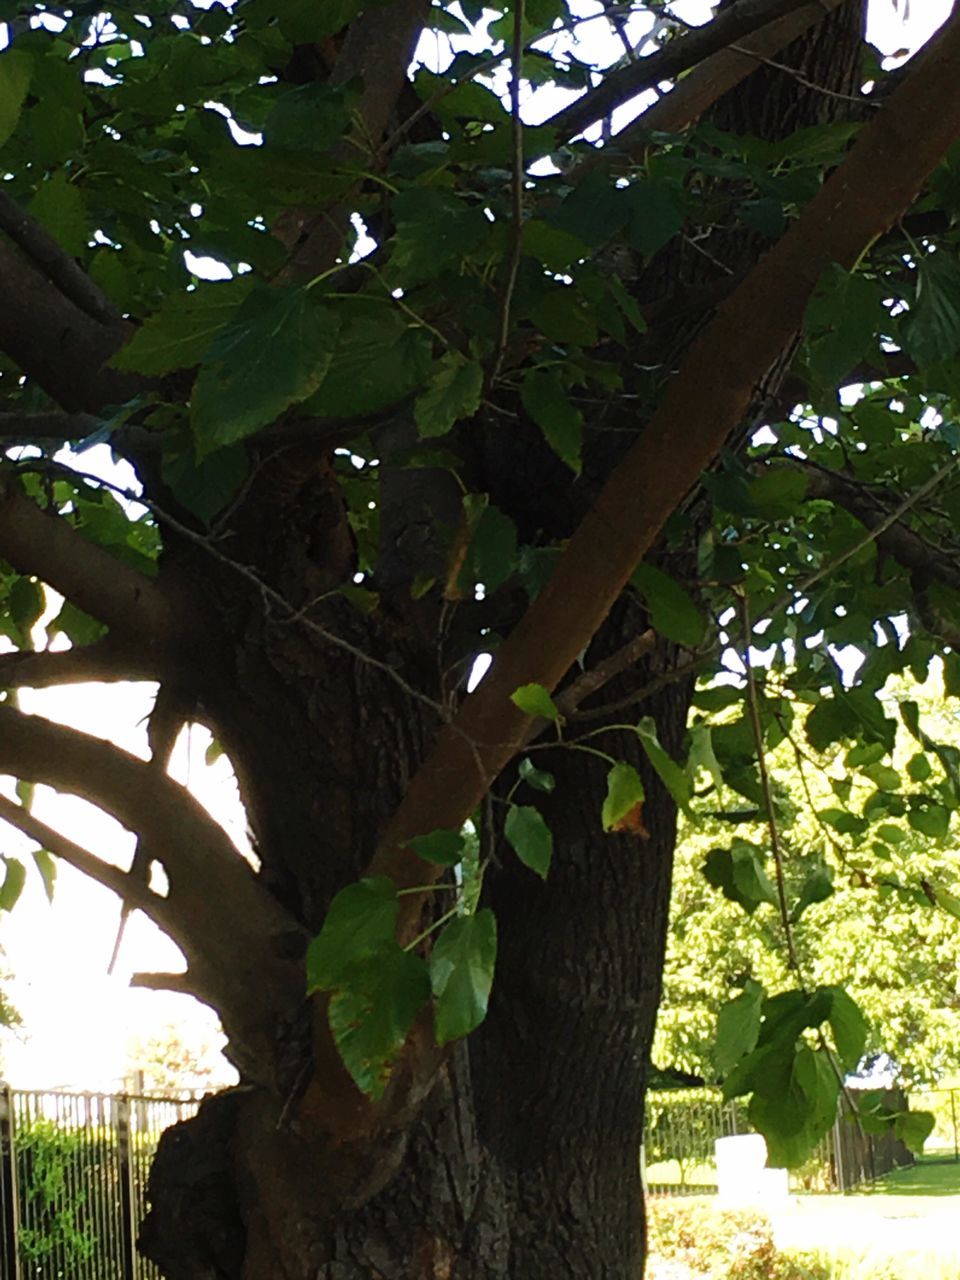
(9, 1196)
(128, 1220)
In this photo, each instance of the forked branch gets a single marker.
(234, 934)
(618, 87)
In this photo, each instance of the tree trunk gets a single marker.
(522, 1164)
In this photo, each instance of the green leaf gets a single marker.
(913, 1128)
(849, 1028)
(539, 779)
(309, 117)
(932, 328)
(275, 353)
(777, 493)
(204, 487)
(372, 1012)
(624, 792)
(15, 72)
(817, 887)
(738, 1026)
(673, 777)
(380, 359)
(654, 216)
(25, 603)
(452, 393)
(461, 972)
(672, 612)
(442, 847)
(492, 554)
(435, 230)
(79, 628)
(546, 402)
(739, 874)
(843, 316)
(46, 864)
(918, 767)
(531, 838)
(564, 315)
(14, 879)
(361, 920)
(58, 206)
(932, 821)
(949, 901)
(534, 700)
(556, 248)
(180, 331)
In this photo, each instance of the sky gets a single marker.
(80, 1022)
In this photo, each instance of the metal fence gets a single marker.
(73, 1173)
(682, 1125)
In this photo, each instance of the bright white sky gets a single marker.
(80, 1023)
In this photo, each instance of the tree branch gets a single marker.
(896, 540)
(55, 263)
(243, 950)
(111, 877)
(590, 682)
(620, 86)
(105, 661)
(697, 92)
(49, 547)
(178, 982)
(58, 345)
(376, 50)
(47, 429)
(700, 407)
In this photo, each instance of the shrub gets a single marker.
(694, 1240)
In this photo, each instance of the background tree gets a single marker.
(360, 475)
(870, 924)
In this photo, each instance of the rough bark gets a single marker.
(517, 1164)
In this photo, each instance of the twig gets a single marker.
(861, 100)
(790, 597)
(516, 189)
(590, 681)
(244, 571)
(754, 708)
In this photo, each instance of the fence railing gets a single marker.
(73, 1174)
(682, 1126)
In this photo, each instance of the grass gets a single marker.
(932, 1175)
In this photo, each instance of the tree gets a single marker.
(360, 474)
(869, 922)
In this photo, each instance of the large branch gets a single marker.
(49, 547)
(54, 261)
(619, 87)
(106, 660)
(104, 873)
(56, 343)
(234, 934)
(697, 92)
(700, 408)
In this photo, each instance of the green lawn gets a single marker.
(937, 1175)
